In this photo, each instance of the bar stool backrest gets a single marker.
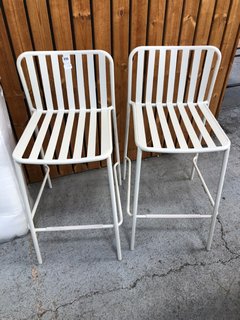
(161, 74)
(60, 80)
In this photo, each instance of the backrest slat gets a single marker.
(34, 82)
(151, 61)
(69, 81)
(171, 77)
(91, 81)
(45, 81)
(183, 77)
(139, 81)
(161, 72)
(194, 75)
(205, 75)
(80, 82)
(57, 81)
(103, 80)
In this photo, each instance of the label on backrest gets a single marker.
(66, 62)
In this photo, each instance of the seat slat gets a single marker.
(140, 124)
(54, 137)
(176, 126)
(188, 125)
(214, 124)
(153, 127)
(57, 81)
(34, 82)
(45, 82)
(165, 129)
(40, 137)
(79, 135)
(80, 82)
(27, 134)
(67, 136)
(92, 134)
(201, 126)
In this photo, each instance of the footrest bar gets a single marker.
(118, 193)
(68, 228)
(129, 186)
(170, 216)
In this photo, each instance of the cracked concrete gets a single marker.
(169, 275)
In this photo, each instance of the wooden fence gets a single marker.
(116, 26)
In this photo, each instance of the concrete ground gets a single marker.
(170, 275)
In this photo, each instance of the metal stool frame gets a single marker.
(72, 63)
(202, 101)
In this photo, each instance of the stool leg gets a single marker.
(126, 142)
(193, 168)
(27, 210)
(114, 207)
(218, 198)
(136, 194)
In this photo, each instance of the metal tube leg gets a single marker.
(114, 207)
(126, 142)
(27, 211)
(45, 170)
(117, 146)
(136, 193)
(193, 168)
(218, 198)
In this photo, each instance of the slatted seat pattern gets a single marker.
(165, 131)
(62, 134)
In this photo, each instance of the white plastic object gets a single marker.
(12, 218)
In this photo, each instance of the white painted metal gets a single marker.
(57, 81)
(34, 82)
(67, 110)
(188, 110)
(45, 81)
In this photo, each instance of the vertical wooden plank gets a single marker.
(82, 22)
(227, 48)
(16, 20)
(172, 32)
(120, 18)
(138, 37)
(62, 32)
(188, 29)
(42, 38)
(101, 11)
(39, 22)
(156, 22)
